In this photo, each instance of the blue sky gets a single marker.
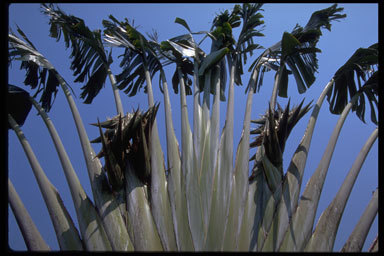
(359, 29)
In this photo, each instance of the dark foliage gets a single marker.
(18, 104)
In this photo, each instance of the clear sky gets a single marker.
(359, 29)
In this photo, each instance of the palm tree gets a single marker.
(33, 61)
(204, 200)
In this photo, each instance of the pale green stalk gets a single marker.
(196, 111)
(294, 177)
(144, 233)
(299, 232)
(215, 130)
(190, 152)
(119, 105)
(272, 102)
(213, 157)
(204, 162)
(258, 204)
(269, 197)
(323, 238)
(242, 167)
(66, 232)
(176, 179)
(160, 204)
(226, 155)
(105, 202)
(193, 190)
(247, 227)
(31, 235)
(240, 176)
(91, 228)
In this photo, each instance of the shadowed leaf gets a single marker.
(89, 59)
(18, 104)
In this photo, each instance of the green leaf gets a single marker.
(212, 59)
(37, 67)
(21, 32)
(360, 65)
(283, 83)
(296, 73)
(94, 85)
(184, 50)
(323, 18)
(288, 44)
(301, 59)
(298, 49)
(87, 50)
(183, 23)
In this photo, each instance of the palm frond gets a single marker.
(349, 79)
(39, 71)
(138, 55)
(323, 18)
(251, 19)
(182, 48)
(89, 60)
(249, 16)
(297, 51)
